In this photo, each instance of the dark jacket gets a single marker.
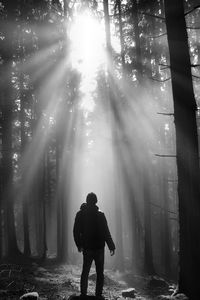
(91, 229)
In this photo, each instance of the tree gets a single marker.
(186, 147)
(148, 251)
(113, 100)
(7, 114)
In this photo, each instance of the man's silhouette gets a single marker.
(91, 232)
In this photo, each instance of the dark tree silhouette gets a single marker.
(7, 95)
(148, 251)
(113, 99)
(187, 149)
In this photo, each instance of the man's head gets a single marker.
(91, 199)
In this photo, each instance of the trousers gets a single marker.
(88, 257)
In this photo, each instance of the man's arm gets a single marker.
(108, 237)
(77, 231)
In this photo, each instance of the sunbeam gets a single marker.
(80, 113)
(87, 37)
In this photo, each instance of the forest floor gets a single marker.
(62, 281)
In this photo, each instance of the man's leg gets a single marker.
(99, 263)
(87, 262)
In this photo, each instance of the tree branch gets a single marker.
(193, 28)
(196, 77)
(195, 66)
(156, 205)
(157, 36)
(164, 155)
(165, 66)
(160, 80)
(153, 16)
(193, 9)
(166, 114)
(125, 12)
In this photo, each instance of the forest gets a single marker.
(104, 97)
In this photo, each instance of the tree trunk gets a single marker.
(148, 251)
(43, 199)
(25, 191)
(118, 4)
(165, 230)
(138, 61)
(187, 149)
(7, 184)
(7, 113)
(58, 197)
(61, 174)
(115, 124)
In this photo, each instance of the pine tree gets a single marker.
(186, 147)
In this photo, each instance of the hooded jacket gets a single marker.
(91, 230)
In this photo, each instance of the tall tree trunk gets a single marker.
(164, 214)
(62, 204)
(40, 106)
(1, 169)
(118, 4)
(7, 113)
(23, 100)
(58, 194)
(187, 149)
(25, 191)
(27, 250)
(119, 261)
(43, 199)
(114, 118)
(148, 251)
(138, 61)
(7, 171)
(1, 212)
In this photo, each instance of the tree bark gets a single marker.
(7, 114)
(148, 251)
(138, 60)
(187, 149)
(25, 191)
(115, 123)
(119, 6)
(165, 229)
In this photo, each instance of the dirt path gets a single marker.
(61, 281)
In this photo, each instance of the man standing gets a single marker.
(91, 232)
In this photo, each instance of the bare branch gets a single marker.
(166, 114)
(193, 28)
(164, 66)
(10, 284)
(125, 12)
(164, 155)
(195, 66)
(162, 208)
(157, 36)
(196, 77)
(153, 16)
(193, 9)
(160, 80)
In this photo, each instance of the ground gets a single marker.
(62, 281)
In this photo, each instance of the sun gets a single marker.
(87, 55)
(87, 43)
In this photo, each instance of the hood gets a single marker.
(89, 207)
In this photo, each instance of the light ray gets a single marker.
(87, 39)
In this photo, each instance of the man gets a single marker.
(91, 232)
